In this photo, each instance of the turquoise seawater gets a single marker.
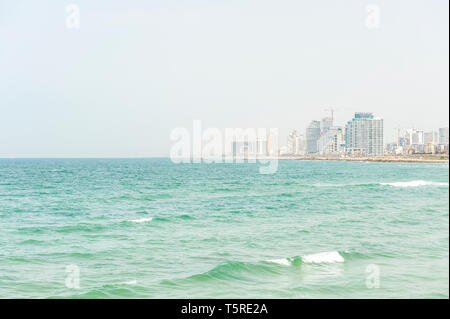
(149, 228)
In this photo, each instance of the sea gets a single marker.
(151, 228)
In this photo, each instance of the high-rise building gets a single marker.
(331, 141)
(443, 136)
(416, 137)
(241, 148)
(272, 142)
(325, 124)
(312, 135)
(391, 148)
(403, 141)
(261, 146)
(301, 144)
(364, 135)
(293, 143)
(430, 148)
(428, 137)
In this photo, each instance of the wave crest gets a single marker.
(141, 220)
(414, 184)
(238, 270)
(325, 257)
(281, 261)
(319, 258)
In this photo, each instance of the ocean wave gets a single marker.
(141, 220)
(32, 229)
(319, 258)
(160, 219)
(228, 271)
(236, 270)
(82, 227)
(107, 291)
(325, 257)
(281, 261)
(357, 185)
(242, 271)
(416, 183)
(185, 216)
(32, 242)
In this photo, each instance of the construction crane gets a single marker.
(331, 109)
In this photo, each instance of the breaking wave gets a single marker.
(326, 257)
(141, 220)
(415, 183)
(319, 258)
(250, 271)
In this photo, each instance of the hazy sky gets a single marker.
(135, 70)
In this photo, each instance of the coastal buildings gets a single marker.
(416, 140)
(419, 141)
(331, 141)
(312, 136)
(428, 137)
(292, 145)
(325, 124)
(295, 144)
(391, 148)
(248, 145)
(364, 135)
(443, 136)
(318, 135)
(242, 148)
(416, 136)
(301, 145)
(261, 146)
(425, 142)
(430, 148)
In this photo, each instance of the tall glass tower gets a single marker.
(312, 136)
(364, 135)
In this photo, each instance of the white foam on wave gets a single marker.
(131, 282)
(282, 261)
(326, 257)
(415, 184)
(141, 220)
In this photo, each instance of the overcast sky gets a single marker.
(135, 70)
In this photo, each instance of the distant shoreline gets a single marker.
(379, 159)
(371, 159)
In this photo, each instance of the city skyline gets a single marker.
(361, 135)
(117, 83)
